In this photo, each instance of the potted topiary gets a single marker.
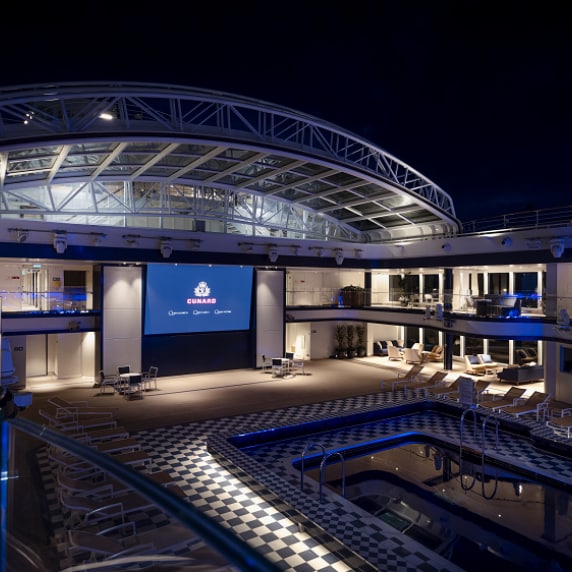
(350, 333)
(361, 332)
(341, 341)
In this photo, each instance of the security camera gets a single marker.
(446, 247)
(339, 256)
(273, 255)
(506, 241)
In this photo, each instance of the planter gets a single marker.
(353, 296)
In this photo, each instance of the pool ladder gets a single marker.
(483, 449)
(323, 464)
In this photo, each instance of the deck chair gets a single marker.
(75, 423)
(70, 408)
(410, 374)
(562, 426)
(478, 388)
(123, 540)
(531, 405)
(555, 408)
(412, 355)
(107, 381)
(87, 511)
(93, 484)
(474, 366)
(150, 378)
(92, 436)
(134, 387)
(417, 386)
(442, 392)
(510, 397)
(487, 361)
(118, 445)
(436, 353)
(393, 353)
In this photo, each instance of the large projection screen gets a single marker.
(183, 298)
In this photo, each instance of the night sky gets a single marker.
(477, 96)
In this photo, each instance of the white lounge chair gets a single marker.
(122, 541)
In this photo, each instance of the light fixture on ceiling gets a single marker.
(339, 256)
(131, 239)
(557, 247)
(166, 247)
(273, 254)
(60, 242)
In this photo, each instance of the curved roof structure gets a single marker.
(169, 157)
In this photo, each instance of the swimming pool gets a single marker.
(474, 513)
(266, 460)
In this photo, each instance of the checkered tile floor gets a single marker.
(271, 527)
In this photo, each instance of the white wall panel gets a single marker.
(269, 314)
(122, 301)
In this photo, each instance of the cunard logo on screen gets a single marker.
(202, 294)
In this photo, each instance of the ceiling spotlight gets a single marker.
(339, 256)
(166, 248)
(60, 242)
(446, 247)
(557, 247)
(506, 241)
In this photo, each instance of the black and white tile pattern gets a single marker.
(265, 506)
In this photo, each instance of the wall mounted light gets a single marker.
(131, 239)
(339, 256)
(166, 247)
(22, 235)
(273, 255)
(557, 247)
(60, 242)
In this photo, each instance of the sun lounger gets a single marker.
(94, 484)
(554, 408)
(503, 400)
(74, 423)
(67, 460)
(422, 386)
(118, 445)
(123, 540)
(66, 408)
(479, 387)
(442, 392)
(93, 436)
(85, 511)
(410, 374)
(531, 405)
(561, 425)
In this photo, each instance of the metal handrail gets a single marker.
(307, 448)
(323, 472)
